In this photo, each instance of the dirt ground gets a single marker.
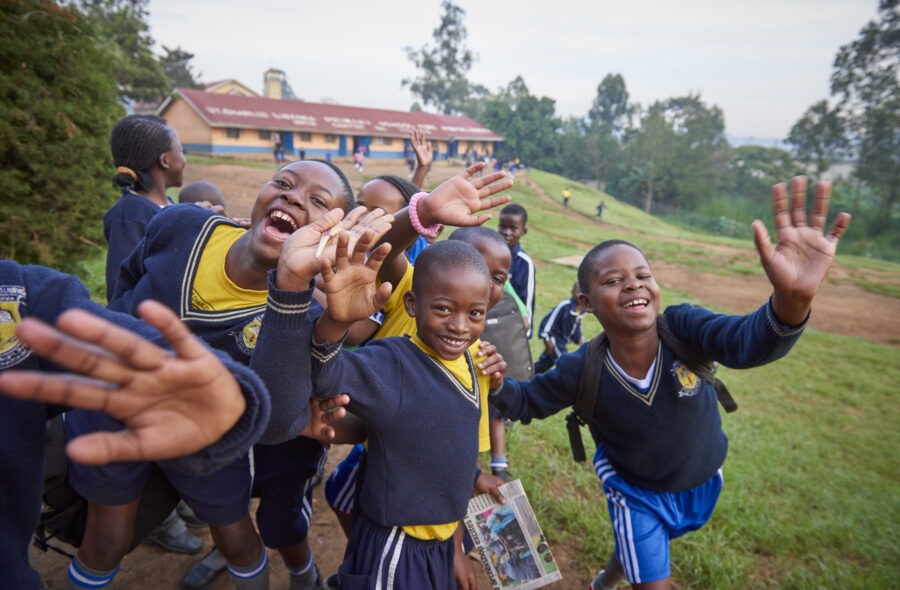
(841, 307)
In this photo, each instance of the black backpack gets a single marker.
(64, 514)
(586, 397)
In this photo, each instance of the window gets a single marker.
(233, 133)
(329, 138)
(305, 136)
(387, 140)
(265, 134)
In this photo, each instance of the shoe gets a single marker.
(501, 473)
(183, 542)
(190, 519)
(203, 573)
(597, 584)
(333, 582)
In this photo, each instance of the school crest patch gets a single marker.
(690, 383)
(248, 336)
(12, 351)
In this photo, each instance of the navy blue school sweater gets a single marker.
(38, 292)
(562, 325)
(422, 427)
(124, 226)
(521, 277)
(670, 437)
(265, 337)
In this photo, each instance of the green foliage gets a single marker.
(818, 136)
(121, 32)
(58, 104)
(443, 67)
(650, 152)
(176, 63)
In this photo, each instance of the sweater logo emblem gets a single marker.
(249, 335)
(12, 351)
(690, 383)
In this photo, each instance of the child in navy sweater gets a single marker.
(558, 328)
(172, 403)
(661, 444)
(513, 226)
(422, 406)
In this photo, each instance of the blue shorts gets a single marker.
(645, 521)
(282, 480)
(219, 498)
(341, 487)
(387, 558)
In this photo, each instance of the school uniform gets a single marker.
(422, 415)
(124, 225)
(34, 291)
(661, 440)
(180, 263)
(561, 326)
(521, 277)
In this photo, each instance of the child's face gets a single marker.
(299, 194)
(623, 295)
(512, 228)
(449, 310)
(174, 161)
(380, 193)
(498, 260)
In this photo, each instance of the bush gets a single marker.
(58, 103)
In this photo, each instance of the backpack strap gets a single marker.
(586, 396)
(703, 368)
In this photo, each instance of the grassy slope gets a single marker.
(810, 499)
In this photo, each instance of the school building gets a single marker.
(226, 119)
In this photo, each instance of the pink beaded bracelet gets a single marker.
(428, 232)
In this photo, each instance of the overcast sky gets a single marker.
(762, 61)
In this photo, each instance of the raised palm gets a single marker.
(456, 201)
(422, 147)
(350, 282)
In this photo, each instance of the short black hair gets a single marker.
(445, 256)
(201, 190)
(350, 200)
(516, 209)
(137, 142)
(406, 188)
(589, 262)
(471, 235)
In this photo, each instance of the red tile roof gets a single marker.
(223, 110)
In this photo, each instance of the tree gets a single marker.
(121, 31)
(866, 77)
(649, 151)
(443, 67)
(609, 114)
(176, 63)
(757, 169)
(58, 103)
(818, 137)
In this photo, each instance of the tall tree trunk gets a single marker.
(649, 200)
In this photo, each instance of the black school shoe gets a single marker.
(203, 573)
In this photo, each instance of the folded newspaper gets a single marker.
(509, 540)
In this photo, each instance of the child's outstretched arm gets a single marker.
(457, 201)
(424, 156)
(798, 263)
(172, 403)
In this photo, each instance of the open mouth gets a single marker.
(454, 343)
(637, 304)
(280, 225)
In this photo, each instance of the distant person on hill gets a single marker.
(328, 156)
(565, 198)
(558, 328)
(600, 209)
(302, 153)
(513, 226)
(660, 444)
(148, 159)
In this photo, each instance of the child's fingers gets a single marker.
(798, 201)
(488, 179)
(184, 344)
(471, 170)
(341, 251)
(820, 205)
(100, 448)
(377, 256)
(840, 226)
(353, 216)
(361, 247)
(60, 389)
(491, 202)
(326, 270)
(780, 207)
(382, 295)
(494, 188)
(762, 240)
(89, 345)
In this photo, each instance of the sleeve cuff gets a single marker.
(286, 309)
(325, 351)
(783, 330)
